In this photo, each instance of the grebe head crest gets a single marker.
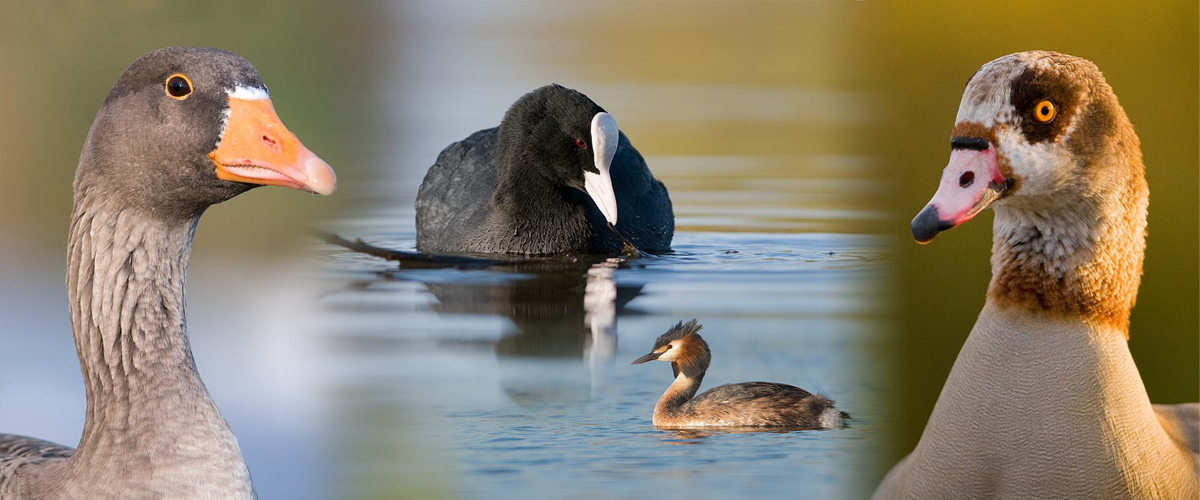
(681, 344)
(677, 332)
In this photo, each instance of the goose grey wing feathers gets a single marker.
(17, 446)
(18, 452)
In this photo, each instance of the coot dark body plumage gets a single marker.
(544, 182)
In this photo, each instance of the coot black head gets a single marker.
(184, 128)
(562, 135)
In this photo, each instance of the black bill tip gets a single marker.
(926, 225)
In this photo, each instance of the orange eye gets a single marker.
(178, 86)
(1044, 111)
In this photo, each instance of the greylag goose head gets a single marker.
(184, 128)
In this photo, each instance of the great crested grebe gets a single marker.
(749, 404)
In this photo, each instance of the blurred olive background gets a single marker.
(925, 52)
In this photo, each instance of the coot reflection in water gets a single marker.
(554, 310)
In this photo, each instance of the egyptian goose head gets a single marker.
(1041, 139)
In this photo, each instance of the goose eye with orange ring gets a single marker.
(1044, 111)
(178, 86)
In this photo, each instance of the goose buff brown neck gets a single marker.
(183, 129)
(1078, 251)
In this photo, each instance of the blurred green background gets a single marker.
(925, 51)
(60, 59)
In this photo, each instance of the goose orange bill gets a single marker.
(256, 148)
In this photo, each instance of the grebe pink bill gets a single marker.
(744, 405)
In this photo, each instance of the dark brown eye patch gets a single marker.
(1045, 100)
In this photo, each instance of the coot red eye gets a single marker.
(581, 143)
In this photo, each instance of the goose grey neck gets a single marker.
(126, 274)
(127, 270)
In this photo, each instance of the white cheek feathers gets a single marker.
(245, 94)
(1041, 168)
(249, 93)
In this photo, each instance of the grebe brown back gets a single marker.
(749, 404)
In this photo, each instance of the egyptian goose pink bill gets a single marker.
(1044, 400)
